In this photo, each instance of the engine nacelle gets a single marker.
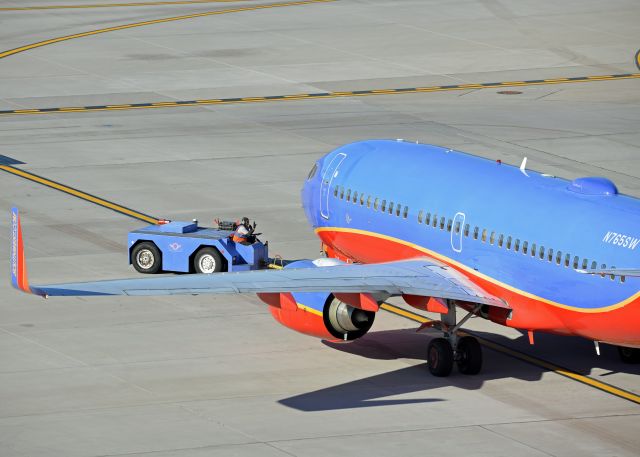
(318, 314)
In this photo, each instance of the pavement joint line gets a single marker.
(319, 95)
(540, 363)
(113, 5)
(562, 371)
(79, 194)
(40, 44)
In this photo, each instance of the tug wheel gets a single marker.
(146, 258)
(440, 357)
(207, 260)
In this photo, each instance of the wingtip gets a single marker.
(18, 265)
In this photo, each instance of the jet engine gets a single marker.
(319, 314)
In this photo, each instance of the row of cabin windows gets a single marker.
(509, 243)
(494, 238)
(355, 198)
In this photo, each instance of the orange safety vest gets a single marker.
(240, 237)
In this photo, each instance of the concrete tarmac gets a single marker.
(202, 375)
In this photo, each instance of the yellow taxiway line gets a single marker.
(112, 5)
(39, 44)
(567, 373)
(78, 193)
(318, 95)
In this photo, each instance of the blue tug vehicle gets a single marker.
(184, 247)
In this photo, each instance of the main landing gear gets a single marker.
(465, 351)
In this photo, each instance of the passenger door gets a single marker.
(456, 232)
(330, 173)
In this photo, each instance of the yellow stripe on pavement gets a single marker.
(156, 21)
(78, 193)
(111, 5)
(613, 390)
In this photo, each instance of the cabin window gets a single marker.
(534, 250)
(420, 214)
(449, 225)
(492, 238)
(435, 220)
(550, 255)
(622, 278)
(542, 253)
(567, 260)
(335, 191)
(362, 199)
(442, 219)
(603, 267)
(613, 277)
(383, 207)
(594, 265)
(576, 262)
(405, 213)
(466, 230)
(341, 192)
(390, 207)
(558, 257)
(476, 230)
(484, 236)
(525, 247)
(348, 194)
(427, 220)
(509, 242)
(500, 240)
(585, 262)
(355, 197)
(398, 208)
(516, 247)
(375, 204)
(457, 227)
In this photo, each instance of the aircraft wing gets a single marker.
(612, 271)
(414, 277)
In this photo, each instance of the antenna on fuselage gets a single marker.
(523, 167)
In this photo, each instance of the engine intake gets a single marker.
(346, 322)
(321, 314)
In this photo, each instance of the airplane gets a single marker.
(448, 232)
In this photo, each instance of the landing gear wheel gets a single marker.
(440, 357)
(629, 355)
(146, 258)
(469, 355)
(207, 260)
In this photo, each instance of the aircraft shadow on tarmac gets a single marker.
(573, 353)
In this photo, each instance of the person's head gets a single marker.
(245, 221)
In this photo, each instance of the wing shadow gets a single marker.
(570, 352)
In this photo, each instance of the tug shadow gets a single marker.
(573, 353)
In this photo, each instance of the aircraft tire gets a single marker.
(208, 260)
(629, 355)
(469, 358)
(146, 258)
(440, 357)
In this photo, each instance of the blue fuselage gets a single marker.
(522, 229)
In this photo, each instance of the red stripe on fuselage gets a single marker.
(618, 326)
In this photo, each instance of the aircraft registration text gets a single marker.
(621, 240)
